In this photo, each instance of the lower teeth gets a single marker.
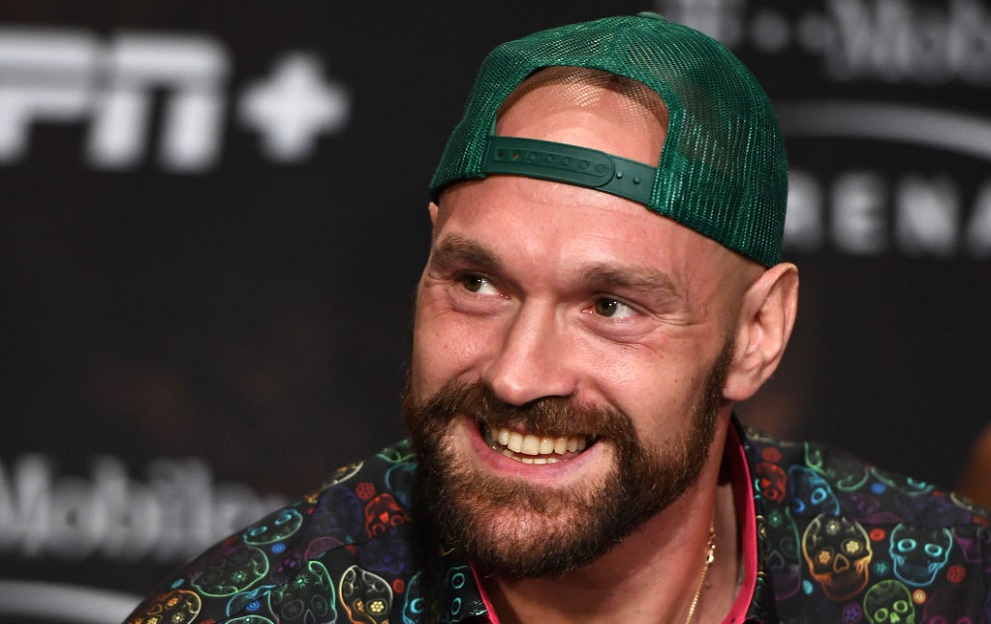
(535, 460)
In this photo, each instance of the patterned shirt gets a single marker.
(837, 540)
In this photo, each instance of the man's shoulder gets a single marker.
(347, 545)
(843, 539)
(812, 478)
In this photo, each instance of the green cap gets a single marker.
(722, 172)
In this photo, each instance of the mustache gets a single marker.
(550, 416)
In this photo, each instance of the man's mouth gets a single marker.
(534, 449)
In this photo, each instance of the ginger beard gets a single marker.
(529, 531)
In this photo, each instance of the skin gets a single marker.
(541, 289)
(974, 483)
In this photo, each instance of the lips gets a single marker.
(528, 448)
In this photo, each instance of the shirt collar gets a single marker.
(749, 501)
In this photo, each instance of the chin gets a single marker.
(536, 520)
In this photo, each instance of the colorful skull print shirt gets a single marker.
(833, 539)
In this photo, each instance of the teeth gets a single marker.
(538, 460)
(531, 445)
(535, 448)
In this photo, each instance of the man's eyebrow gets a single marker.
(636, 278)
(455, 249)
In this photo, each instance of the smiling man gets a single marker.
(604, 283)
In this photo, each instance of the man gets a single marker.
(603, 285)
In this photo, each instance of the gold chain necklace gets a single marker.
(710, 556)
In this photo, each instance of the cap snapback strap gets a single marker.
(571, 164)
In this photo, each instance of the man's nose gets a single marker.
(534, 359)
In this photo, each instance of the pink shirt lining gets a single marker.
(743, 491)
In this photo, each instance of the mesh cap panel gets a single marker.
(722, 170)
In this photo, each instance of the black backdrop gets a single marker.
(212, 217)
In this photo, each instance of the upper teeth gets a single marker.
(532, 445)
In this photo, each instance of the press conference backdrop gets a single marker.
(212, 217)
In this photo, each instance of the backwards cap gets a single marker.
(722, 171)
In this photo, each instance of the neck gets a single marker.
(623, 584)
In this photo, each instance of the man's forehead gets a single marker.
(516, 215)
(670, 265)
(598, 233)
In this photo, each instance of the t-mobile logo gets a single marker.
(720, 19)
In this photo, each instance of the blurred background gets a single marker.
(212, 218)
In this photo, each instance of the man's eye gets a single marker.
(613, 309)
(475, 283)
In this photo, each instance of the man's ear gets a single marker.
(434, 210)
(767, 316)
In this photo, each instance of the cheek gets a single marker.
(446, 346)
(660, 407)
(658, 392)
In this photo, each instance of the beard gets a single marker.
(530, 531)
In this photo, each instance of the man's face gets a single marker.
(568, 360)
